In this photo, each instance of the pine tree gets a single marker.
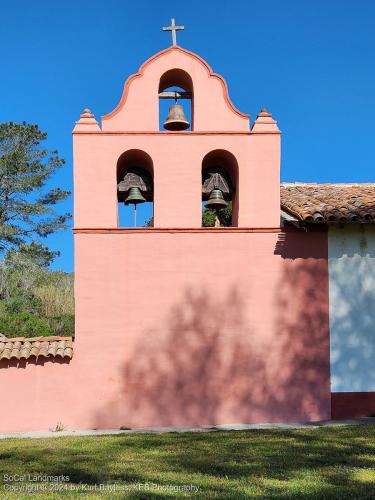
(26, 212)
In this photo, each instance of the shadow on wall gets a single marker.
(301, 300)
(301, 244)
(204, 353)
(217, 361)
(22, 363)
(304, 380)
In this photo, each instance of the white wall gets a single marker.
(351, 252)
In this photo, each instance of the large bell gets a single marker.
(134, 196)
(216, 200)
(176, 119)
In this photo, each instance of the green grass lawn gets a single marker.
(330, 462)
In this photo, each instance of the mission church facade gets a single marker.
(179, 324)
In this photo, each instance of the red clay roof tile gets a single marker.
(50, 347)
(322, 203)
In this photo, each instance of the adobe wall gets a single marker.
(183, 328)
(352, 321)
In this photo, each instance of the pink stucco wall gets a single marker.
(179, 325)
(177, 160)
(183, 328)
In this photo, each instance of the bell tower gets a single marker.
(178, 158)
(177, 307)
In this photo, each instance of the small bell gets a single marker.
(176, 119)
(216, 200)
(134, 196)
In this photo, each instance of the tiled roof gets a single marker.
(324, 203)
(24, 348)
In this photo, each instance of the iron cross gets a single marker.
(173, 28)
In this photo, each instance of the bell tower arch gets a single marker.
(135, 187)
(219, 183)
(176, 89)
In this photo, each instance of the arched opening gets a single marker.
(135, 189)
(176, 101)
(219, 189)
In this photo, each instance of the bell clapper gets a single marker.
(135, 215)
(217, 220)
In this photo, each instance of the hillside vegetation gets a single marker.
(34, 301)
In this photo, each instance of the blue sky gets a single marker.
(311, 63)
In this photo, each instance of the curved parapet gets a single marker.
(138, 108)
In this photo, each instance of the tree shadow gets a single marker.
(303, 330)
(308, 463)
(200, 369)
(209, 362)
